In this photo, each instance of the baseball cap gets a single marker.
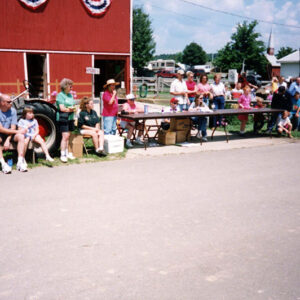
(181, 72)
(173, 100)
(130, 97)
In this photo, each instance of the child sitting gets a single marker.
(199, 105)
(284, 124)
(30, 123)
(259, 119)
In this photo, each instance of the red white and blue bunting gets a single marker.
(96, 7)
(33, 4)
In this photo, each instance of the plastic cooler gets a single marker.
(113, 144)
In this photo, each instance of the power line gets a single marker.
(236, 15)
(180, 14)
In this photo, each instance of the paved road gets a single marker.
(210, 225)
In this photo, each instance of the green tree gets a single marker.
(143, 45)
(193, 54)
(176, 56)
(284, 51)
(244, 46)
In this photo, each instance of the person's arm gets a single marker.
(61, 106)
(240, 100)
(297, 112)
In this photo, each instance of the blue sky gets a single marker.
(176, 23)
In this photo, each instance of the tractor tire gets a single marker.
(45, 114)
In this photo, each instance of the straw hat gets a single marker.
(109, 82)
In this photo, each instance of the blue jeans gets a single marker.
(295, 121)
(183, 107)
(219, 103)
(202, 124)
(192, 99)
(110, 125)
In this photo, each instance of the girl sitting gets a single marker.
(199, 105)
(30, 123)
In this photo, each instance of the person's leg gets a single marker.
(38, 139)
(272, 121)
(20, 139)
(114, 125)
(107, 123)
(130, 129)
(221, 106)
(93, 135)
(290, 127)
(243, 126)
(26, 142)
(100, 140)
(180, 107)
(203, 126)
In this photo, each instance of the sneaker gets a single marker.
(22, 167)
(71, 156)
(101, 153)
(204, 139)
(198, 136)
(49, 158)
(139, 142)
(64, 159)
(6, 169)
(128, 144)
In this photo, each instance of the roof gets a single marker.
(272, 60)
(291, 58)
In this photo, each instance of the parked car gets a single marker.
(197, 72)
(165, 74)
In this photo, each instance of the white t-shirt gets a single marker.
(178, 86)
(218, 89)
(203, 108)
(284, 122)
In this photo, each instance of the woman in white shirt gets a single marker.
(218, 91)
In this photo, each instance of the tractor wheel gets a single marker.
(45, 114)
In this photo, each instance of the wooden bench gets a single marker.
(30, 149)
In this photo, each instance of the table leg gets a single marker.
(225, 129)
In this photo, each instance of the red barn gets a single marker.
(61, 39)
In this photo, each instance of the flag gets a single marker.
(33, 4)
(96, 7)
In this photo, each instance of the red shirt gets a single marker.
(109, 110)
(191, 87)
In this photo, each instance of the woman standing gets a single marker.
(218, 91)
(191, 86)
(89, 124)
(110, 107)
(204, 88)
(65, 117)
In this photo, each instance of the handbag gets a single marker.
(63, 117)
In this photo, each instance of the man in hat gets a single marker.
(131, 107)
(110, 107)
(179, 90)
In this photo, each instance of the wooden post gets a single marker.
(18, 87)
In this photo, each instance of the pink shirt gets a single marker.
(203, 88)
(134, 108)
(191, 86)
(109, 110)
(245, 101)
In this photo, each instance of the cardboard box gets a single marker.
(166, 137)
(180, 124)
(182, 136)
(76, 145)
(113, 144)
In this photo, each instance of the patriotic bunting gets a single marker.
(33, 4)
(96, 7)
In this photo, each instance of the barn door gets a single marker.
(37, 75)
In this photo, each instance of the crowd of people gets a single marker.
(281, 95)
(187, 95)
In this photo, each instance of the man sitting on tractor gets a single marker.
(9, 133)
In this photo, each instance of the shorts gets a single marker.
(4, 136)
(66, 127)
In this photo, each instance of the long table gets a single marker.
(187, 114)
